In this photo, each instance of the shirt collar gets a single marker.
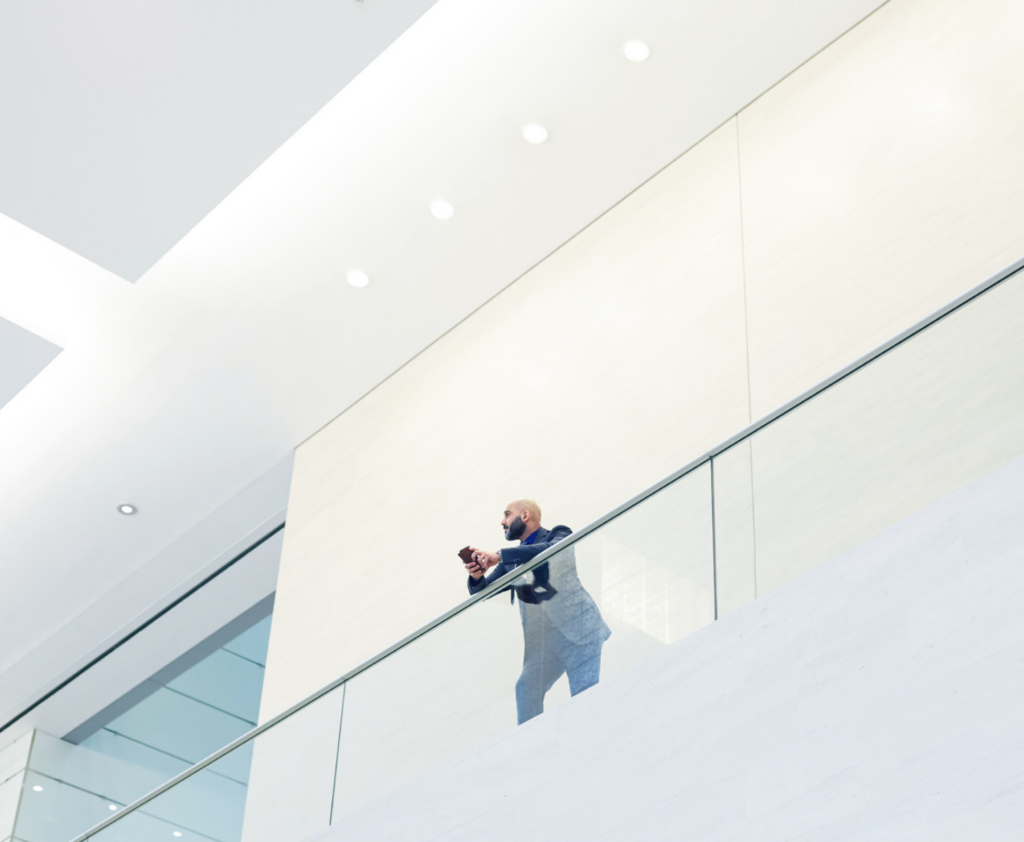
(533, 536)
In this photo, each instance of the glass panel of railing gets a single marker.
(734, 528)
(935, 414)
(278, 786)
(652, 570)
(611, 599)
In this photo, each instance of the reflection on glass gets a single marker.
(208, 805)
(651, 571)
(53, 811)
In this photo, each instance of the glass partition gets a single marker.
(926, 417)
(185, 711)
(277, 786)
(651, 571)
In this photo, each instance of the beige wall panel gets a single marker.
(879, 181)
(609, 365)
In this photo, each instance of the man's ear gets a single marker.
(525, 515)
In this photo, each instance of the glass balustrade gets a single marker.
(187, 710)
(621, 593)
(276, 786)
(933, 415)
(930, 415)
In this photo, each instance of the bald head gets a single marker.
(526, 505)
(521, 519)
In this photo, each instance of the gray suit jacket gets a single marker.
(555, 592)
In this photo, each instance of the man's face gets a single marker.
(512, 523)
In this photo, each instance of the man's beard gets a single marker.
(515, 529)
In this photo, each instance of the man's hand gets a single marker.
(485, 559)
(474, 569)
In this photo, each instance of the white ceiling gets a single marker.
(176, 392)
(24, 355)
(123, 123)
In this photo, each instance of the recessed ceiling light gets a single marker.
(176, 833)
(111, 806)
(442, 209)
(358, 279)
(37, 788)
(127, 509)
(534, 133)
(636, 50)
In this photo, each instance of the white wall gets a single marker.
(876, 698)
(875, 183)
(13, 762)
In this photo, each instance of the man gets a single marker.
(563, 630)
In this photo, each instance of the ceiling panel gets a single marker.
(123, 123)
(22, 356)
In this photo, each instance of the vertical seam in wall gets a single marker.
(743, 265)
(337, 754)
(746, 340)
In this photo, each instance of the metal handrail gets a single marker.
(508, 578)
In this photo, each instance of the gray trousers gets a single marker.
(547, 655)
